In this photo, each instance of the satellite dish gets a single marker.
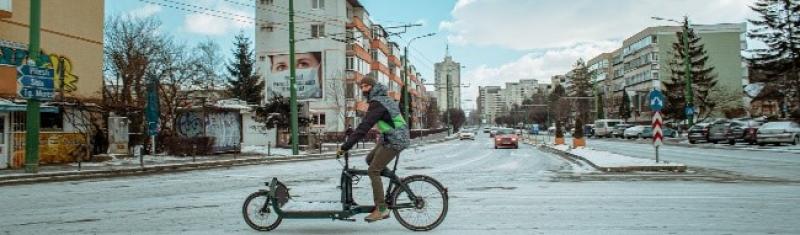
(753, 89)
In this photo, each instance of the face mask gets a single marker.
(306, 83)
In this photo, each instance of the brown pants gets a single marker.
(377, 159)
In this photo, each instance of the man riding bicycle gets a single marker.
(385, 112)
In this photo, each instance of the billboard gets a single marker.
(308, 73)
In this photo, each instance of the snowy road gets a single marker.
(492, 191)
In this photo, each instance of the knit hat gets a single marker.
(368, 80)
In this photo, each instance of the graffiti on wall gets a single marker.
(190, 124)
(224, 127)
(61, 64)
(54, 148)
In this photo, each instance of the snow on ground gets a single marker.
(607, 159)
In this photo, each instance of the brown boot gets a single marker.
(377, 214)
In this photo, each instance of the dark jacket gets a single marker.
(375, 112)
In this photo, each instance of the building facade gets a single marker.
(71, 42)
(448, 83)
(337, 45)
(490, 103)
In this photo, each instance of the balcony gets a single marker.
(358, 51)
(378, 44)
(356, 22)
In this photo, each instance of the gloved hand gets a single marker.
(340, 152)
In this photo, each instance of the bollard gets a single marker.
(269, 148)
(194, 153)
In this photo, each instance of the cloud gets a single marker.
(535, 65)
(146, 11)
(532, 24)
(206, 23)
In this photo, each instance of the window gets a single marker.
(350, 63)
(318, 119)
(266, 2)
(267, 28)
(318, 4)
(262, 58)
(317, 30)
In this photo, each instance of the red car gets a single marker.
(506, 137)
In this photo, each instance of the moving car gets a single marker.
(634, 132)
(486, 129)
(699, 132)
(778, 132)
(743, 131)
(604, 127)
(619, 130)
(718, 131)
(665, 131)
(466, 135)
(505, 137)
(493, 132)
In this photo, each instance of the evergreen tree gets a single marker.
(625, 106)
(244, 83)
(556, 108)
(703, 77)
(778, 26)
(275, 113)
(582, 86)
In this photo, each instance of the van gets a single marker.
(604, 127)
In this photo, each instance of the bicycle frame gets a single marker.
(349, 208)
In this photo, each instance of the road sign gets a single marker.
(658, 135)
(35, 83)
(656, 100)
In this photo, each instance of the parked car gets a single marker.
(505, 137)
(718, 131)
(699, 132)
(604, 127)
(778, 133)
(634, 132)
(743, 131)
(665, 131)
(487, 129)
(466, 135)
(619, 130)
(534, 130)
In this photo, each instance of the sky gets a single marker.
(496, 41)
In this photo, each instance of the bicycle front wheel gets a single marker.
(430, 203)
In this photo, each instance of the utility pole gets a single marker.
(406, 107)
(33, 119)
(292, 80)
(688, 70)
(447, 105)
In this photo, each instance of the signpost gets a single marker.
(656, 104)
(35, 83)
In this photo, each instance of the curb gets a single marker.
(612, 169)
(673, 143)
(20, 179)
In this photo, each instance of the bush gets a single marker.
(183, 146)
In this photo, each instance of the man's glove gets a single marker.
(340, 152)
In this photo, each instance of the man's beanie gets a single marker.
(368, 80)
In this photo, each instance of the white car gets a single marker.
(466, 135)
(634, 132)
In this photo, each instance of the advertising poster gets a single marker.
(308, 72)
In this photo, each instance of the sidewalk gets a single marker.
(167, 164)
(611, 162)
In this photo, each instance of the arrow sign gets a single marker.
(35, 82)
(656, 100)
(658, 135)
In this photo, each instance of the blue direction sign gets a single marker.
(656, 100)
(35, 82)
(689, 110)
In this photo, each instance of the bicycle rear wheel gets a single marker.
(430, 204)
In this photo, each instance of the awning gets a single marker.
(8, 106)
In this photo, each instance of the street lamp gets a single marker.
(689, 96)
(405, 77)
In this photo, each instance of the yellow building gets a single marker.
(71, 42)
